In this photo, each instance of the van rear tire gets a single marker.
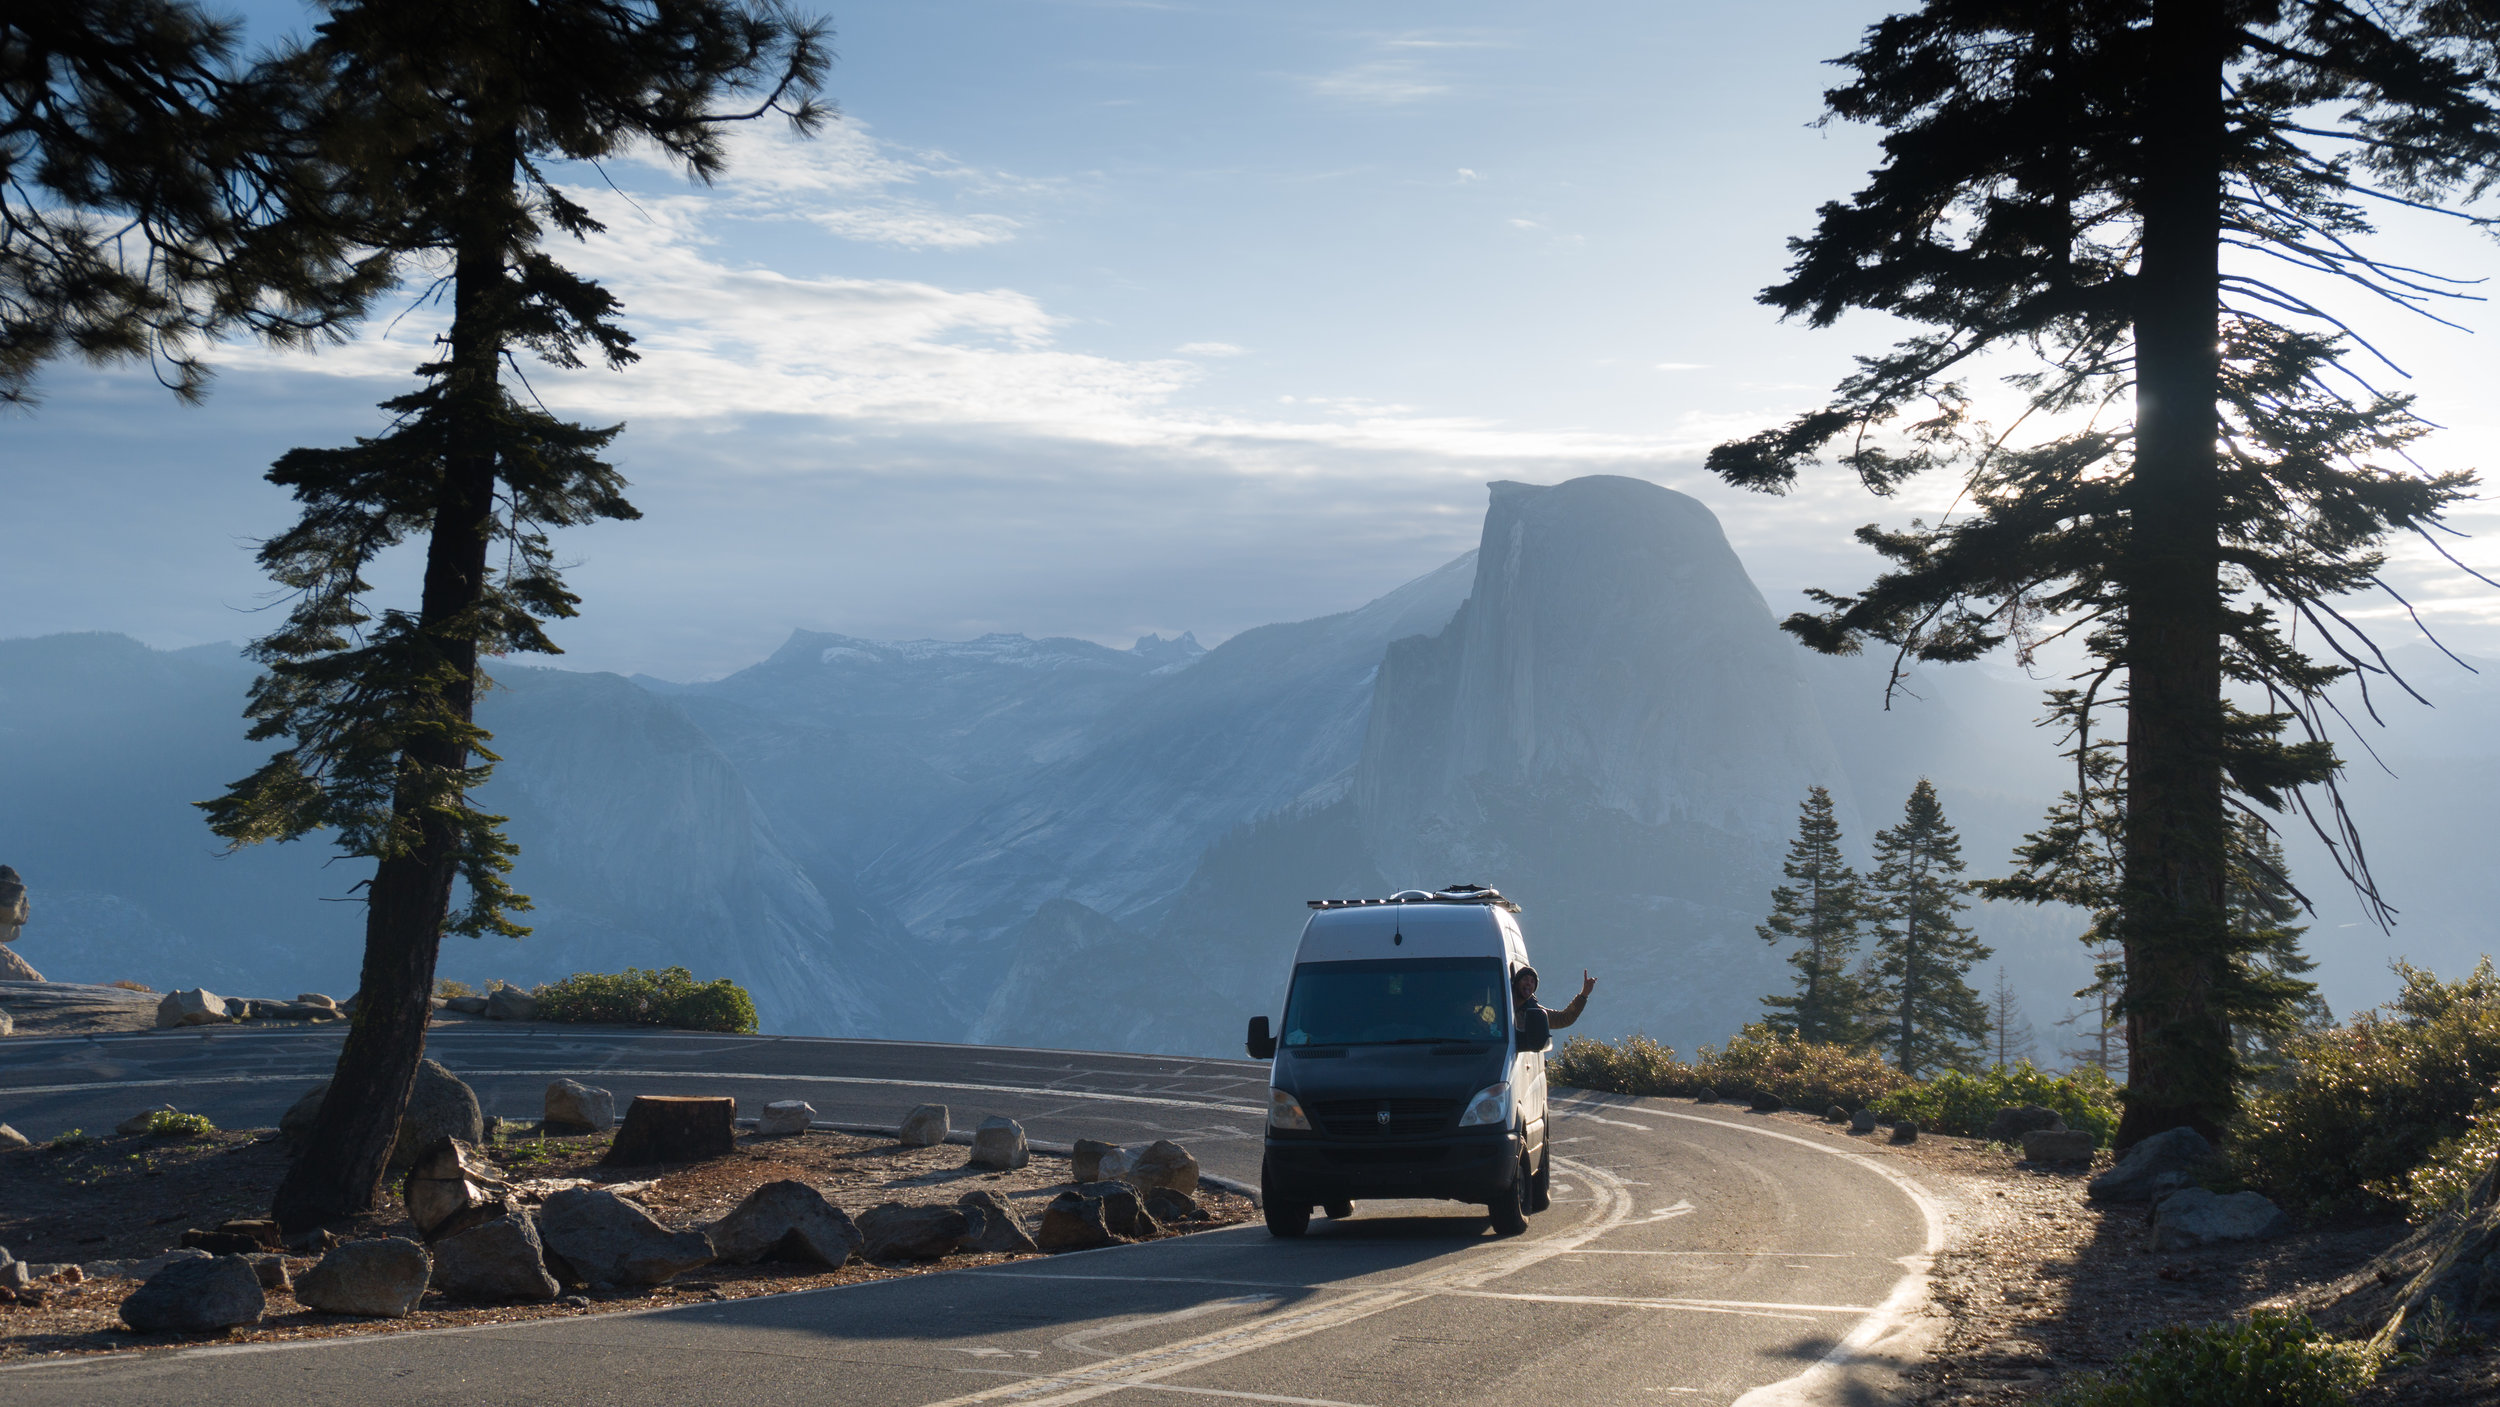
(1338, 1210)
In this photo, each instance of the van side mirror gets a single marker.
(1262, 1045)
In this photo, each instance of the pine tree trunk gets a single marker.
(2171, 912)
(341, 1171)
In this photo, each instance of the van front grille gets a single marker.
(1360, 1118)
(1392, 1155)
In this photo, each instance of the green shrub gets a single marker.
(165, 1123)
(2367, 1103)
(635, 997)
(1954, 1102)
(2448, 1175)
(447, 988)
(68, 1139)
(1807, 1074)
(2271, 1360)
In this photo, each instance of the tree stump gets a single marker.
(675, 1128)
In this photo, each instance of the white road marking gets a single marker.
(1150, 1367)
(1773, 1255)
(1772, 1310)
(1895, 1318)
(1143, 1385)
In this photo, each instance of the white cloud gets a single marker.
(854, 186)
(1683, 366)
(1210, 349)
(1382, 82)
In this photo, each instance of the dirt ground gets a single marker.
(130, 1197)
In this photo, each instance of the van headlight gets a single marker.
(1490, 1106)
(1285, 1112)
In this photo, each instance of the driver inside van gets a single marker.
(1537, 1024)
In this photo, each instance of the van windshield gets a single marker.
(1395, 1002)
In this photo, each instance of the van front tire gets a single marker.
(1510, 1208)
(1288, 1219)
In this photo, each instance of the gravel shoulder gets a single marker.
(121, 1197)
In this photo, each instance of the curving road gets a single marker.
(1693, 1255)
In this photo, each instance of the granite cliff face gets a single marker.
(1612, 730)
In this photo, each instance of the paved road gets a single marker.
(1693, 1255)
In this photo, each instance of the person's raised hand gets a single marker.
(1588, 984)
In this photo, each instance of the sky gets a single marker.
(1099, 319)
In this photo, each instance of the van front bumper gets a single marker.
(1468, 1168)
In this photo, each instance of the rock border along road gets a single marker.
(1690, 1257)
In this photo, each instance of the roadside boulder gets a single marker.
(11, 1138)
(2152, 1169)
(1161, 1163)
(195, 1296)
(465, 1006)
(999, 1143)
(1835, 1115)
(500, 1260)
(379, 1279)
(675, 1128)
(784, 1117)
(2059, 1145)
(1073, 1222)
(785, 1221)
(8, 1024)
(925, 1127)
(2193, 1217)
(511, 1004)
(1169, 1205)
(1088, 1158)
(993, 1225)
(574, 1107)
(2010, 1125)
(1862, 1121)
(271, 1268)
(17, 969)
(1123, 1212)
(451, 1188)
(898, 1231)
(192, 1006)
(439, 1107)
(1905, 1131)
(236, 1237)
(608, 1240)
(1765, 1102)
(316, 999)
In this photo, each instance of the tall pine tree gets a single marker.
(2060, 180)
(1821, 910)
(445, 113)
(1928, 1017)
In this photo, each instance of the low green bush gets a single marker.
(1806, 1074)
(2367, 1103)
(1966, 1104)
(165, 1123)
(68, 1139)
(2269, 1360)
(636, 997)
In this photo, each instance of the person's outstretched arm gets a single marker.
(1579, 1003)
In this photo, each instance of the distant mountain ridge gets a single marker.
(1055, 842)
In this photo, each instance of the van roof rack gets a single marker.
(1454, 894)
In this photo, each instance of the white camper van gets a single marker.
(1400, 1068)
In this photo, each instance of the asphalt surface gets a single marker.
(1693, 1255)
